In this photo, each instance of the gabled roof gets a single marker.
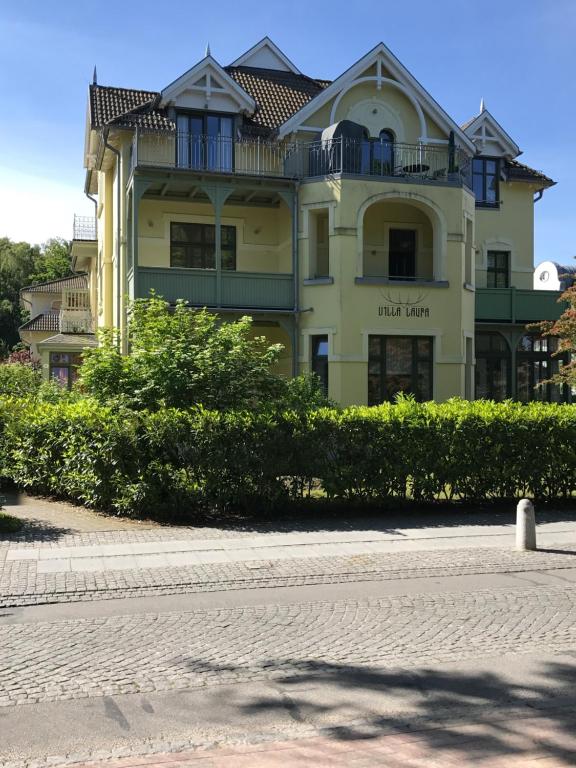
(45, 321)
(74, 282)
(380, 53)
(266, 55)
(278, 95)
(485, 129)
(209, 70)
(126, 108)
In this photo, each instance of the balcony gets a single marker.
(75, 314)
(517, 305)
(84, 228)
(417, 163)
(207, 287)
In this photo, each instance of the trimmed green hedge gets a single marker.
(174, 462)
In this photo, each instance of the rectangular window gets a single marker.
(319, 244)
(64, 367)
(402, 254)
(320, 359)
(485, 181)
(399, 364)
(498, 272)
(193, 246)
(205, 142)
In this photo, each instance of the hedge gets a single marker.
(175, 462)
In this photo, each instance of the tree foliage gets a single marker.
(180, 357)
(563, 329)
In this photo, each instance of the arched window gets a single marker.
(535, 363)
(492, 366)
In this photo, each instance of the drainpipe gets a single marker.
(118, 225)
(538, 195)
(296, 273)
(93, 199)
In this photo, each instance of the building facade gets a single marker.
(385, 246)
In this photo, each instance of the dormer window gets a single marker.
(485, 171)
(205, 141)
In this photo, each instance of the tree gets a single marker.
(181, 357)
(20, 265)
(53, 262)
(563, 329)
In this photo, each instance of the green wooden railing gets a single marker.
(517, 305)
(204, 287)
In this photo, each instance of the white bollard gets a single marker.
(525, 525)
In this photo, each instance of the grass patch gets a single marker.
(9, 523)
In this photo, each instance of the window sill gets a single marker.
(387, 281)
(319, 281)
(469, 287)
(489, 206)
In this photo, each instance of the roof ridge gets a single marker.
(122, 88)
(55, 280)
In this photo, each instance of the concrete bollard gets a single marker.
(525, 525)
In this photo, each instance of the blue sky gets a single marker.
(518, 54)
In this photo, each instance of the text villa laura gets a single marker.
(397, 311)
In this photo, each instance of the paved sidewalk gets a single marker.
(522, 742)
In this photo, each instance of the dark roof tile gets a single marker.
(47, 321)
(520, 172)
(75, 282)
(278, 95)
(126, 108)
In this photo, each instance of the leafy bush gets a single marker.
(19, 379)
(174, 462)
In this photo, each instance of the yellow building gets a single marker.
(386, 247)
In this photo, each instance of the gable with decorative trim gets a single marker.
(207, 86)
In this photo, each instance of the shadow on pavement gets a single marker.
(478, 716)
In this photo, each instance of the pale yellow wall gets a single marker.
(378, 221)
(263, 235)
(509, 228)
(349, 313)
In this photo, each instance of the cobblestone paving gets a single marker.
(51, 661)
(20, 584)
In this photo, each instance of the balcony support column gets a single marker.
(290, 197)
(218, 195)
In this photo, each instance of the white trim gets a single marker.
(265, 43)
(399, 72)
(305, 349)
(477, 132)
(388, 81)
(244, 100)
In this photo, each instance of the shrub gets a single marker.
(173, 462)
(19, 379)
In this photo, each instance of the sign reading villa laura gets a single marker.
(400, 311)
(403, 306)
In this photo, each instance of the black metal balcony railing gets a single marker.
(385, 159)
(299, 160)
(84, 228)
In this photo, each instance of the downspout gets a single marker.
(296, 273)
(538, 196)
(118, 225)
(93, 199)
